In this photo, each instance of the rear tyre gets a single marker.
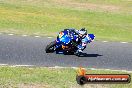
(51, 47)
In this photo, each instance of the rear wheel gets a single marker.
(51, 47)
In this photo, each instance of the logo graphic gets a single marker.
(83, 78)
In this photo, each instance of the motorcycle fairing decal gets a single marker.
(61, 34)
(65, 39)
(64, 47)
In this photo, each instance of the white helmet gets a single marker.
(82, 32)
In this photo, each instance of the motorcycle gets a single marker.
(64, 44)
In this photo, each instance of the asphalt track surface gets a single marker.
(18, 50)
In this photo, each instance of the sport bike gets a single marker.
(65, 44)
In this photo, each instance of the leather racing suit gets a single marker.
(82, 41)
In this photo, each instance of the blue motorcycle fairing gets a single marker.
(65, 38)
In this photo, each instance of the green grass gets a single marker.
(49, 78)
(48, 17)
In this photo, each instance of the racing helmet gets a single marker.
(82, 32)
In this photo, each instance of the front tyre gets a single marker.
(51, 47)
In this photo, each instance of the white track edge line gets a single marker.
(104, 41)
(59, 67)
(49, 37)
(24, 35)
(10, 34)
(3, 64)
(21, 65)
(52, 37)
(36, 36)
(111, 70)
(123, 42)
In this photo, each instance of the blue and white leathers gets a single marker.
(84, 43)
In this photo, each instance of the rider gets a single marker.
(82, 38)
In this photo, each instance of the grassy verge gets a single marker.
(108, 20)
(22, 77)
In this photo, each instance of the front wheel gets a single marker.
(51, 47)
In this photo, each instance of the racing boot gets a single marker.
(80, 50)
(78, 53)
